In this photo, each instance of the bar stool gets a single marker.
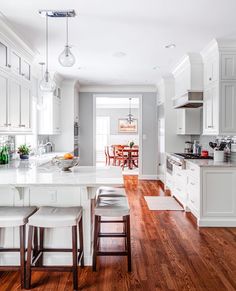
(105, 191)
(16, 217)
(53, 217)
(108, 207)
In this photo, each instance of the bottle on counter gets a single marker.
(4, 155)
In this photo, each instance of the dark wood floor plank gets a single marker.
(169, 253)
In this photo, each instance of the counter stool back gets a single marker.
(16, 217)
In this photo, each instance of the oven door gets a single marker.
(169, 165)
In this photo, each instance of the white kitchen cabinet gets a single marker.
(14, 105)
(188, 121)
(50, 116)
(25, 70)
(25, 108)
(211, 70)
(218, 194)
(15, 62)
(219, 106)
(178, 189)
(228, 66)
(4, 55)
(210, 110)
(3, 101)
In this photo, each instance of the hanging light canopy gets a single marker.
(47, 84)
(66, 58)
(130, 117)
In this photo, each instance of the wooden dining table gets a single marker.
(131, 154)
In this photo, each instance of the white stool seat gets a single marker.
(112, 207)
(13, 216)
(110, 192)
(48, 216)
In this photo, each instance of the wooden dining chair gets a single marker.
(109, 156)
(121, 157)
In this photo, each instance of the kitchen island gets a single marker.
(26, 183)
(207, 189)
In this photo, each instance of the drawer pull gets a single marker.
(192, 169)
(179, 189)
(192, 183)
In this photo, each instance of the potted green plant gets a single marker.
(131, 144)
(23, 151)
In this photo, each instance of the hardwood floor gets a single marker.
(169, 252)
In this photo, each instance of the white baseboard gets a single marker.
(148, 177)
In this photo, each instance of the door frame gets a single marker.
(140, 128)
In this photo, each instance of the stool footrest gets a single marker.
(111, 221)
(53, 268)
(2, 250)
(100, 253)
(9, 268)
(110, 234)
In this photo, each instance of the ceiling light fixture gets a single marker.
(156, 68)
(119, 54)
(66, 58)
(47, 84)
(170, 46)
(130, 117)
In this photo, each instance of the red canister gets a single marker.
(204, 154)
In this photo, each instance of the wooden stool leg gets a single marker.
(36, 243)
(128, 242)
(28, 264)
(95, 242)
(81, 241)
(22, 255)
(75, 257)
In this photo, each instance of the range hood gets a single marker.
(192, 99)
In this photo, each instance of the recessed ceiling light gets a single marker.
(156, 68)
(171, 45)
(119, 54)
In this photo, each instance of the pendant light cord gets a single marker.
(46, 42)
(67, 31)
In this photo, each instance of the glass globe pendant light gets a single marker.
(66, 58)
(47, 84)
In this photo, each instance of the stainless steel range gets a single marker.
(179, 160)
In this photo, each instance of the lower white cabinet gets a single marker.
(209, 192)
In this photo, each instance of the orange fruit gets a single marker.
(68, 156)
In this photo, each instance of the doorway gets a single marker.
(117, 122)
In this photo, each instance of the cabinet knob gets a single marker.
(9, 66)
(9, 124)
(210, 126)
(210, 79)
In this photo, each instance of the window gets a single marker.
(102, 136)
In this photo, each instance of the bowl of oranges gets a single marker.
(66, 162)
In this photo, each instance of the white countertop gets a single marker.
(34, 173)
(211, 163)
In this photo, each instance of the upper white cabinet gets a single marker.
(188, 74)
(3, 55)
(49, 116)
(15, 84)
(3, 101)
(228, 66)
(188, 121)
(219, 108)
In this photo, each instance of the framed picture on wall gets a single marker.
(125, 127)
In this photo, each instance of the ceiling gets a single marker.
(138, 28)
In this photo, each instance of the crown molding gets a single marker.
(118, 89)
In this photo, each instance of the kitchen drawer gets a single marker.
(193, 170)
(181, 194)
(193, 191)
(169, 181)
